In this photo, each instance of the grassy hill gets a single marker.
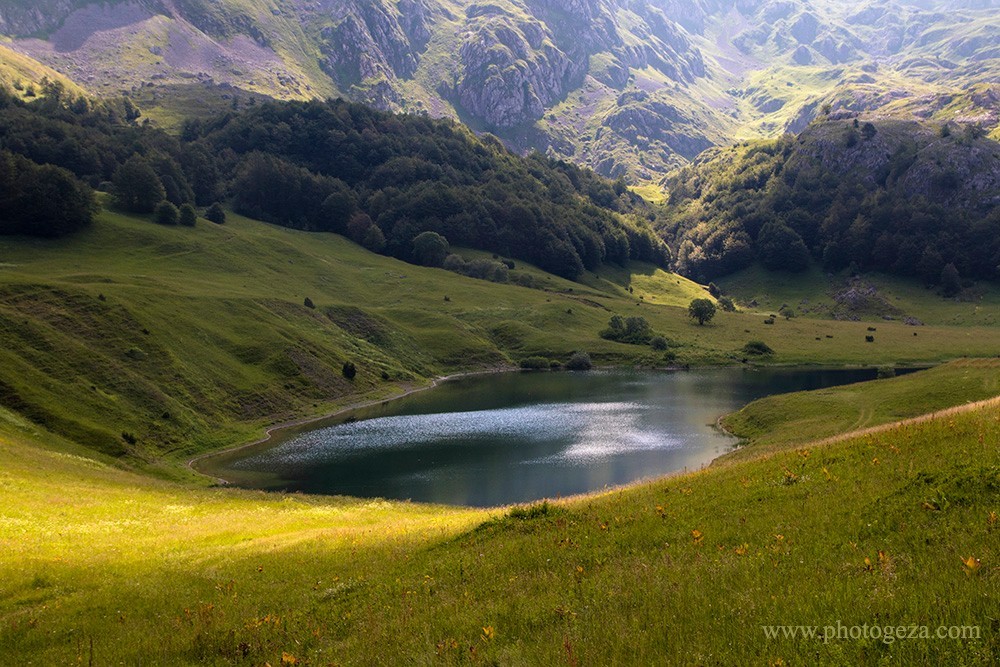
(145, 342)
(896, 528)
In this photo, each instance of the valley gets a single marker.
(716, 285)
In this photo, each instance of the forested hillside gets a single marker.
(381, 179)
(899, 197)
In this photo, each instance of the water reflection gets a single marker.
(517, 437)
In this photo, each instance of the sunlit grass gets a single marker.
(100, 564)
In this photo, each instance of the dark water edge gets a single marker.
(516, 437)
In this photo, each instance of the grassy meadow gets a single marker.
(132, 347)
(103, 566)
(151, 344)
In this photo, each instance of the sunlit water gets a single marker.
(499, 439)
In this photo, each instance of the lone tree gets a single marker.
(430, 249)
(702, 310)
(349, 370)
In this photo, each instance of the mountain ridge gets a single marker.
(631, 88)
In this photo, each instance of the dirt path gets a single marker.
(881, 428)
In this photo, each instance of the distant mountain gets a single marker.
(632, 88)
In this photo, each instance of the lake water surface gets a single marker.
(516, 437)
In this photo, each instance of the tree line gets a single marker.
(380, 179)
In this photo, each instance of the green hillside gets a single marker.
(895, 528)
(185, 339)
(895, 197)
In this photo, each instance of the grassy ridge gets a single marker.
(101, 564)
(773, 422)
(202, 339)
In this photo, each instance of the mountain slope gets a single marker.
(893, 196)
(629, 87)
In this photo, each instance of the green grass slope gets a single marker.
(101, 566)
(773, 422)
(186, 340)
(816, 294)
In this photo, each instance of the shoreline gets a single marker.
(270, 431)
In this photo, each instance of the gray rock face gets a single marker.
(372, 42)
(641, 119)
(935, 172)
(22, 19)
(513, 67)
(511, 70)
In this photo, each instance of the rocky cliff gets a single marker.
(630, 87)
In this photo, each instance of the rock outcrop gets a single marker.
(23, 19)
(373, 44)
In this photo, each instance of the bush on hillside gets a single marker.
(580, 361)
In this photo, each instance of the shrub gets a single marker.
(659, 343)
(188, 217)
(580, 361)
(727, 304)
(869, 339)
(308, 303)
(216, 214)
(165, 213)
(349, 370)
(454, 263)
(757, 348)
(633, 330)
(534, 363)
(524, 280)
(886, 372)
